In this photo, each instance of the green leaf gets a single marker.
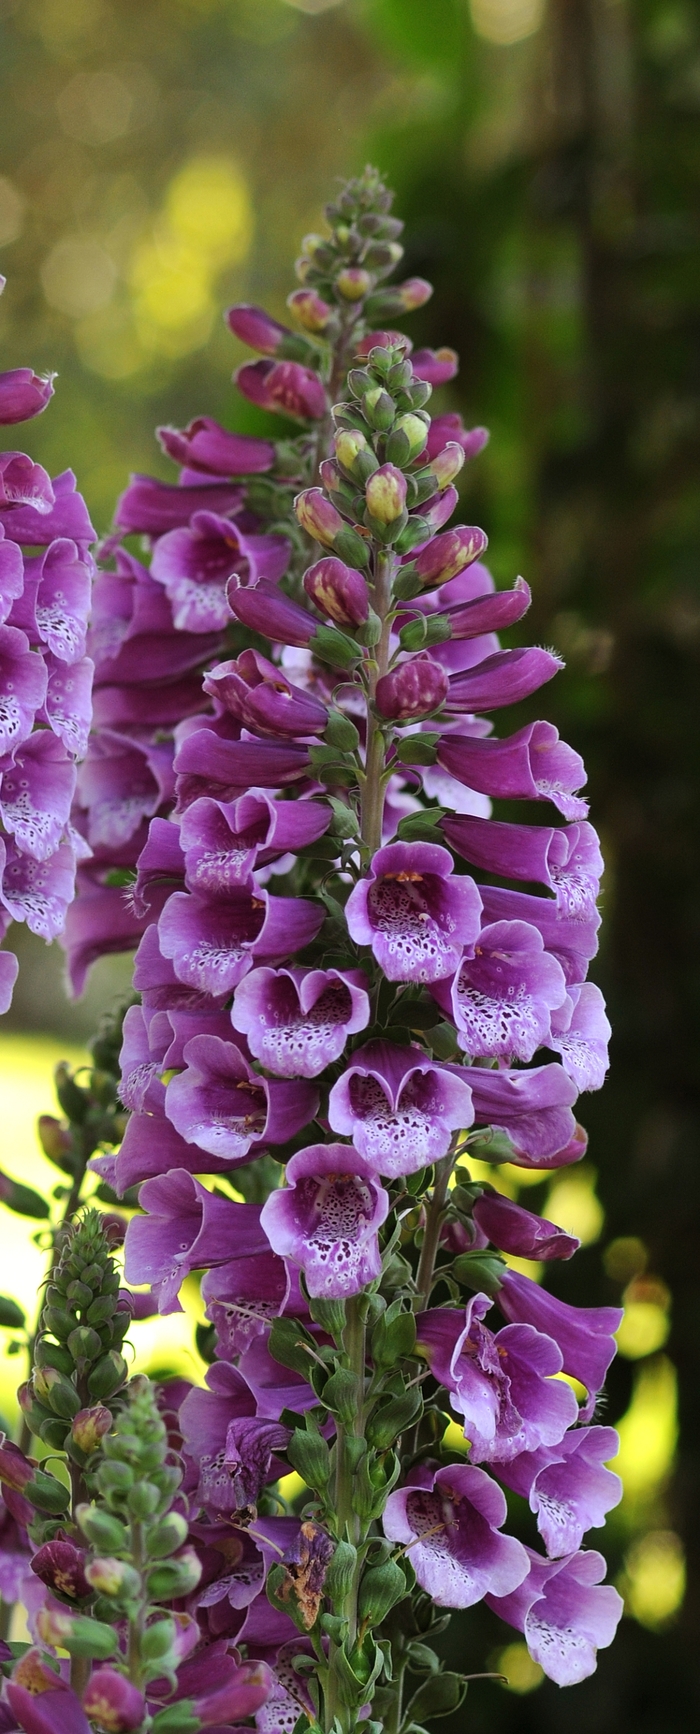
(11, 1314)
(439, 1695)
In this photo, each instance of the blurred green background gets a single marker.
(161, 157)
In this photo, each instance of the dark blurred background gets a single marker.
(160, 157)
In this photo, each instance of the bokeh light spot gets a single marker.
(653, 1581)
(521, 1673)
(78, 276)
(11, 212)
(573, 1205)
(506, 21)
(649, 1430)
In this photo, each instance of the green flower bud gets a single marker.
(334, 647)
(167, 1536)
(393, 1337)
(353, 283)
(46, 1493)
(407, 439)
(102, 1530)
(143, 1499)
(113, 1577)
(381, 1587)
(74, 1101)
(56, 1391)
(352, 548)
(308, 1453)
(342, 1394)
(58, 1321)
(109, 1374)
(379, 408)
(341, 1572)
(102, 1309)
(84, 1343)
(53, 1432)
(89, 1427)
(78, 1293)
(174, 1577)
(158, 1639)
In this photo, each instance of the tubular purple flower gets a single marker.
(513, 1229)
(195, 564)
(219, 1103)
(503, 1384)
(285, 387)
(450, 1520)
(566, 859)
(505, 678)
(214, 944)
(533, 1108)
(580, 1035)
(585, 1334)
(399, 1107)
(326, 1219)
(532, 765)
(415, 916)
(184, 1227)
(36, 790)
(572, 939)
(9, 971)
(444, 428)
(490, 613)
(111, 1701)
(23, 686)
(206, 765)
(141, 1060)
(149, 507)
(435, 366)
(263, 608)
(567, 1486)
(23, 394)
(224, 841)
(501, 998)
(37, 892)
(446, 555)
(67, 517)
(61, 1565)
(258, 694)
(51, 1709)
(339, 591)
(67, 707)
(56, 603)
(256, 328)
(311, 312)
(24, 483)
(413, 689)
(297, 1021)
(205, 445)
(243, 1295)
(565, 1614)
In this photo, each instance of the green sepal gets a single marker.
(394, 1336)
(341, 732)
(46, 1493)
(308, 1453)
(340, 1573)
(91, 1638)
(352, 547)
(439, 1695)
(492, 1146)
(176, 1719)
(342, 1394)
(382, 1586)
(418, 749)
(480, 1271)
(289, 1344)
(393, 1417)
(332, 646)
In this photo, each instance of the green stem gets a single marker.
(136, 1624)
(348, 1521)
(431, 1237)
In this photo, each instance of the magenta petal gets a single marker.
(531, 765)
(463, 1556)
(221, 1104)
(416, 918)
(298, 1021)
(399, 1108)
(326, 1219)
(513, 1229)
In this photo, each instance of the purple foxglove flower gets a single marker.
(585, 1334)
(284, 387)
(24, 483)
(36, 791)
(256, 328)
(318, 517)
(501, 998)
(503, 1384)
(259, 695)
(67, 517)
(248, 1460)
(150, 508)
(565, 1614)
(533, 1108)
(435, 366)
(567, 1485)
(151, 1147)
(311, 312)
(289, 1695)
(274, 1387)
(326, 1219)
(111, 1701)
(505, 678)
(206, 765)
(297, 1021)
(213, 945)
(205, 445)
(444, 428)
(160, 862)
(532, 765)
(413, 689)
(445, 556)
(450, 1521)
(23, 394)
(385, 493)
(56, 602)
(412, 293)
(223, 1106)
(571, 939)
(243, 1295)
(224, 841)
(23, 683)
(264, 609)
(185, 1227)
(580, 1035)
(490, 613)
(61, 1565)
(37, 892)
(156, 981)
(11, 574)
(99, 923)
(51, 1709)
(140, 1063)
(399, 1107)
(513, 1229)
(121, 783)
(339, 591)
(155, 707)
(68, 704)
(194, 564)
(204, 1416)
(416, 918)
(567, 858)
(9, 971)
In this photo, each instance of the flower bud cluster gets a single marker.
(78, 1362)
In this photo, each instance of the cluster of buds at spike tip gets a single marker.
(138, 1555)
(78, 1362)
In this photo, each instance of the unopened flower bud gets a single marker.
(311, 243)
(167, 1536)
(57, 1392)
(318, 517)
(414, 292)
(110, 1700)
(381, 1587)
(311, 312)
(54, 1626)
(55, 1140)
(447, 464)
(382, 340)
(113, 1577)
(379, 408)
(108, 1375)
(339, 591)
(90, 1426)
(341, 1571)
(407, 439)
(61, 1565)
(412, 690)
(172, 1578)
(353, 283)
(256, 328)
(448, 554)
(385, 493)
(103, 1530)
